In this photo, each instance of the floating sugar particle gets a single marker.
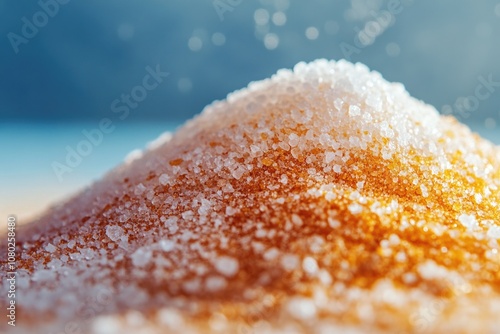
(218, 39)
(261, 16)
(195, 43)
(271, 41)
(312, 33)
(279, 18)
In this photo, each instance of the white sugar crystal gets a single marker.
(215, 283)
(394, 240)
(226, 265)
(133, 156)
(297, 220)
(162, 139)
(290, 262)
(301, 308)
(293, 140)
(106, 325)
(114, 232)
(87, 253)
(430, 270)
(171, 224)
(75, 256)
(43, 275)
(167, 245)
(238, 172)
(50, 248)
(478, 198)
(230, 211)
(355, 208)
(310, 265)
(337, 169)
(141, 257)
(354, 111)
(423, 189)
(409, 278)
(187, 215)
(255, 149)
(192, 286)
(205, 207)
(170, 317)
(164, 179)
(494, 232)
(468, 221)
(271, 254)
(139, 189)
(55, 264)
(401, 257)
(329, 157)
(333, 223)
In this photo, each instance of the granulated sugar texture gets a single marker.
(324, 199)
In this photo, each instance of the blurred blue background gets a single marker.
(67, 64)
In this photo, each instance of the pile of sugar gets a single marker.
(322, 199)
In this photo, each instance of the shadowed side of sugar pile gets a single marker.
(322, 198)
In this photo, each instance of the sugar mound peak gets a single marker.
(322, 199)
